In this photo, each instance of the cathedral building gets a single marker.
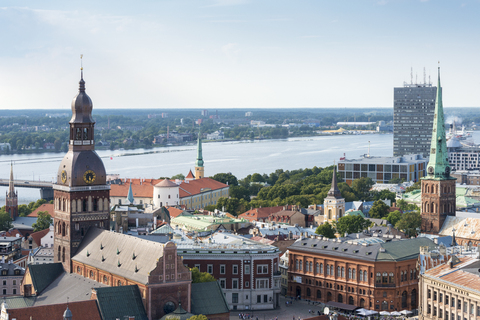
(438, 187)
(82, 243)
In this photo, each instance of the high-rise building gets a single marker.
(438, 187)
(413, 109)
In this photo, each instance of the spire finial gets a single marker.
(82, 82)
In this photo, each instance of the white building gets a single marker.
(166, 193)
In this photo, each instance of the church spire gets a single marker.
(11, 187)
(334, 191)
(438, 166)
(199, 162)
(130, 194)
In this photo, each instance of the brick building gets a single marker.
(247, 271)
(368, 273)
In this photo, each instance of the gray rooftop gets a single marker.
(407, 159)
(113, 252)
(389, 251)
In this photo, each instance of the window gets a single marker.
(235, 269)
(262, 269)
(247, 269)
(14, 282)
(440, 298)
(262, 283)
(259, 299)
(210, 268)
(234, 283)
(222, 269)
(197, 266)
(247, 284)
(354, 273)
(265, 298)
(321, 267)
(14, 291)
(222, 283)
(4, 291)
(328, 270)
(234, 297)
(360, 275)
(4, 282)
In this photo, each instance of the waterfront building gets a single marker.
(382, 169)
(449, 289)
(438, 186)
(11, 200)
(367, 273)
(413, 109)
(193, 194)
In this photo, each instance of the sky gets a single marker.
(213, 54)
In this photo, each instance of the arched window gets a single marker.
(360, 275)
(343, 272)
(311, 266)
(319, 294)
(340, 298)
(328, 270)
(385, 277)
(296, 264)
(321, 267)
(365, 276)
(79, 271)
(332, 270)
(317, 268)
(308, 292)
(391, 278)
(92, 275)
(354, 274)
(329, 214)
(119, 283)
(340, 213)
(404, 299)
(401, 276)
(378, 278)
(350, 300)
(59, 253)
(339, 272)
(63, 229)
(63, 254)
(349, 273)
(105, 279)
(411, 274)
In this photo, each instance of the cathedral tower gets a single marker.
(334, 204)
(199, 170)
(11, 200)
(81, 195)
(438, 187)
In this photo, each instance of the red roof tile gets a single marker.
(37, 236)
(260, 213)
(44, 207)
(80, 310)
(174, 212)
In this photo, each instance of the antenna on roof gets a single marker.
(411, 75)
(424, 76)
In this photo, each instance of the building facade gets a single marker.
(450, 290)
(247, 271)
(438, 186)
(368, 273)
(413, 109)
(411, 167)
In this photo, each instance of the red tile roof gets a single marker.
(44, 207)
(143, 188)
(37, 236)
(80, 310)
(190, 175)
(260, 213)
(174, 212)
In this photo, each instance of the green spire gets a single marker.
(438, 167)
(199, 162)
(130, 194)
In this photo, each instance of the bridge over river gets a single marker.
(46, 187)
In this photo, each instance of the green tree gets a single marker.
(5, 220)
(361, 187)
(326, 230)
(351, 224)
(417, 185)
(210, 207)
(179, 176)
(198, 277)
(44, 220)
(226, 178)
(405, 206)
(396, 180)
(409, 223)
(393, 217)
(384, 194)
(379, 210)
(57, 145)
(239, 192)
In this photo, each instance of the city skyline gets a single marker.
(234, 53)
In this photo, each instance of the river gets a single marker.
(239, 157)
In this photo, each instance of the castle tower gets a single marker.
(11, 199)
(81, 195)
(334, 204)
(438, 187)
(199, 170)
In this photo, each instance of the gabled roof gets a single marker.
(106, 250)
(208, 299)
(37, 236)
(256, 213)
(44, 274)
(190, 175)
(174, 212)
(118, 302)
(196, 186)
(80, 310)
(44, 207)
